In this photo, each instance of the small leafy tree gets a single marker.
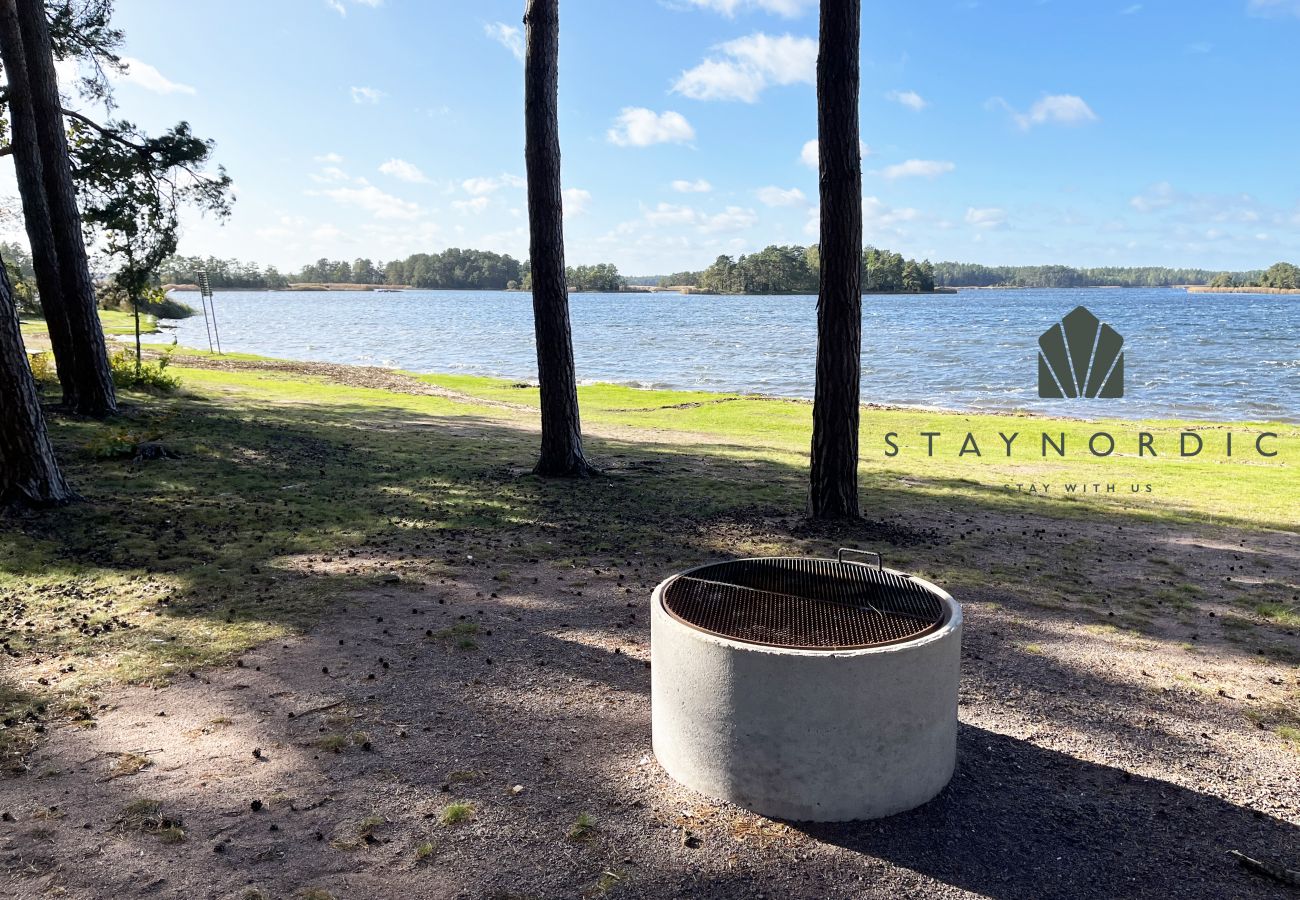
(133, 188)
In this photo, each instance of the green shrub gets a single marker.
(152, 377)
(154, 302)
(42, 369)
(120, 443)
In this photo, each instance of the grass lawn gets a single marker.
(115, 323)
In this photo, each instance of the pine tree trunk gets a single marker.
(94, 382)
(36, 214)
(29, 473)
(561, 453)
(834, 476)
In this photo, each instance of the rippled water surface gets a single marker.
(1223, 357)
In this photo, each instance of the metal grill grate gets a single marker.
(810, 604)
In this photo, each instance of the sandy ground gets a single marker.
(1093, 762)
(1091, 768)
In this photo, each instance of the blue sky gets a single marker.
(1000, 131)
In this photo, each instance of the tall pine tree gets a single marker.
(834, 474)
(561, 453)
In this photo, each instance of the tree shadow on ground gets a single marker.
(217, 539)
(1019, 822)
(280, 515)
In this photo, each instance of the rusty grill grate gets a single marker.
(808, 604)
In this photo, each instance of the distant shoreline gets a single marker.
(333, 286)
(1206, 289)
(940, 289)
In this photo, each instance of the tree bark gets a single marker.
(36, 214)
(29, 472)
(561, 453)
(94, 382)
(834, 474)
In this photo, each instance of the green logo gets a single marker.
(1080, 356)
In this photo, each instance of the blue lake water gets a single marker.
(1226, 357)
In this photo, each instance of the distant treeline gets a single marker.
(222, 273)
(454, 269)
(953, 274)
(1282, 275)
(774, 270)
(22, 276)
(797, 270)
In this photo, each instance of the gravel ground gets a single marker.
(328, 763)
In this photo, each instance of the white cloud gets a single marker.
(576, 202)
(1131, 10)
(1270, 8)
(327, 233)
(479, 187)
(917, 168)
(788, 8)
(1158, 196)
(1060, 109)
(699, 186)
(404, 171)
(879, 220)
(330, 174)
(640, 127)
(331, 158)
(775, 196)
(338, 7)
(747, 66)
(367, 95)
(476, 205)
(735, 218)
(810, 156)
(370, 198)
(507, 36)
(910, 99)
(986, 217)
(143, 75)
(670, 214)
(732, 219)
(876, 213)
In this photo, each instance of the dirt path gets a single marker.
(373, 377)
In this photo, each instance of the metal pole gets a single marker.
(203, 298)
(215, 329)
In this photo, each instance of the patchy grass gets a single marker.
(457, 812)
(115, 324)
(461, 633)
(290, 492)
(583, 828)
(1282, 719)
(1285, 614)
(146, 816)
(129, 764)
(362, 835)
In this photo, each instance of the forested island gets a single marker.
(776, 269)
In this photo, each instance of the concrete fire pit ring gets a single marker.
(800, 733)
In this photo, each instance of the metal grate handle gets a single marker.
(839, 557)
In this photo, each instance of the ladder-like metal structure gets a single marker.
(205, 295)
